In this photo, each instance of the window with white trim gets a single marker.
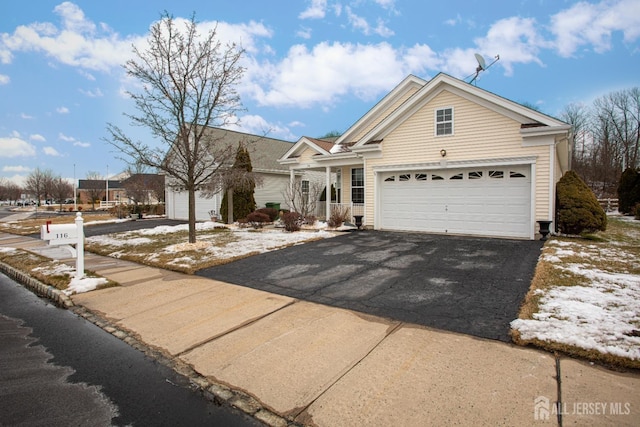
(444, 121)
(357, 185)
(305, 190)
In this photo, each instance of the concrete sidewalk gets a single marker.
(317, 365)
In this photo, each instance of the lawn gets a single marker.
(584, 299)
(167, 246)
(585, 296)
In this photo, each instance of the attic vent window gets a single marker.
(444, 121)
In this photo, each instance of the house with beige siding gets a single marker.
(443, 156)
(264, 153)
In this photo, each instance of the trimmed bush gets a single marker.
(292, 221)
(257, 219)
(270, 212)
(629, 190)
(339, 215)
(578, 208)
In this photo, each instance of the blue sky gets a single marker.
(312, 66)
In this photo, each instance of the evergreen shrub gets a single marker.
(578, 208)
(628, 190)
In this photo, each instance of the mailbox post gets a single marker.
(65, 235)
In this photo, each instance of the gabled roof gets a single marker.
(377, 112)
(531, 120)
(407, 98)
(320, 146)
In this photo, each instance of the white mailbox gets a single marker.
(59, 234)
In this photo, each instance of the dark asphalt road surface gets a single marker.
(94, 375)
(462, 284)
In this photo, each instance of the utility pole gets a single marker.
(75, 197)
(106, 197)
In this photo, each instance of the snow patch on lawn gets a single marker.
(77, 285)
(603, 315)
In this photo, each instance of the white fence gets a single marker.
(609, 205)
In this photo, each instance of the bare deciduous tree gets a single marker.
(95, 187)
(62, 190)
(39, 184)
(577, 115)
(188, 83)
(11, 191)
(606, 139)
(303, 196)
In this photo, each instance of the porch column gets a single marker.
(328, 193)
(292, 177)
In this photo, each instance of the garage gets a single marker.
(487, 201)
(178, 205)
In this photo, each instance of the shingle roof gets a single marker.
(264, 151)
(325, 145)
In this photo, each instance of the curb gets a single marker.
(59, 298)
(214, 392)
(211, 391)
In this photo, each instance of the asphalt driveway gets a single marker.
(463, 284)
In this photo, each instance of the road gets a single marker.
(57, 369)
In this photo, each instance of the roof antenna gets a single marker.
(482, 65)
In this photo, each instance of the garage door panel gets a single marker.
(485, 206)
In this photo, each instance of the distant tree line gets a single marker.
(41, 185)
(605, 139)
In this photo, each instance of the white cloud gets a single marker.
(316, 10)
(4, 79)
(25, 116)
(50, 151)
(87, 75)
(453, 21)
(304, 33)
(14, 146)
(257, 125)
(386, 4)
(37, 137)
(359, 23)
(319, 76)
(75, 142)
(92, 93)
(515, 39)
(76, 42)
(245, 35)
(66, 138)
(593, 24)
(16, 169)
(62, 110)
(382, 30)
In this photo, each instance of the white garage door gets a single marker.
(491, 201)
(178, 205)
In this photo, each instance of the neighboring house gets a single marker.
(141, 188)
(444, 156)
(264, 153)
(97, 189)
(144, 188)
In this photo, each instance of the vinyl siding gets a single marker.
(388, 111)
(271, 190)
(479, 134)
(307, 156)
